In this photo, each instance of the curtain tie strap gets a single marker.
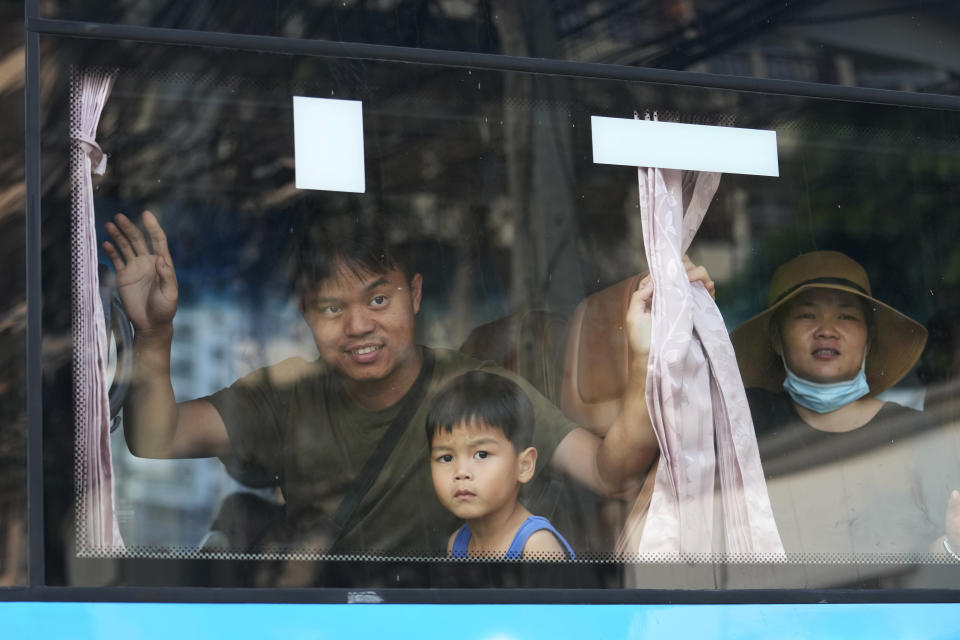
(98, 159)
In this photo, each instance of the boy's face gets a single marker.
(363, 324)
(476, 470)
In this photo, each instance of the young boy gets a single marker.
(479, 429)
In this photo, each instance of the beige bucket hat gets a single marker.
(896, 341)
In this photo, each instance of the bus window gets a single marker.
(294, 324)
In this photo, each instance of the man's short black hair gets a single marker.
(320, 245)
(485, 397)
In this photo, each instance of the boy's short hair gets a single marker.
(485, 397)
(320, 245)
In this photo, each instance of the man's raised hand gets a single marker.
(146, 280)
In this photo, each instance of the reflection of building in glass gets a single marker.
(171, 503)
(200, 361)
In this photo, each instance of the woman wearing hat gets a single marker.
(843, 472)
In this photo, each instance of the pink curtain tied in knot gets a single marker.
(97, 529)
(695, 395)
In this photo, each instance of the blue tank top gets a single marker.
(530, 526)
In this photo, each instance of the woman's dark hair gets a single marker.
(485, 397)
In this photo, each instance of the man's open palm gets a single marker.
(146, 280)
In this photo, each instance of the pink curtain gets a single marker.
(97, 529)
(695, 395)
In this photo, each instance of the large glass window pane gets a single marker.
(482, 183)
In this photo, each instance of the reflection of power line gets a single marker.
(873, 13)
(612, 12)
(719, 36)
(709, 33)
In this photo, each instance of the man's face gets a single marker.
(363, 323)
(477, 471)
(823, 334)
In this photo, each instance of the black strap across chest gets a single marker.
(364, 480)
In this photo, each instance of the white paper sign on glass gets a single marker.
(328, 144)
(694, 147)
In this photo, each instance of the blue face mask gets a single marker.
(824, 397)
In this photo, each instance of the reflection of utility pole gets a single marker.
(461, 291)
(537, 142)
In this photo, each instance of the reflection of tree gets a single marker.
(13, 418)
(880, 185)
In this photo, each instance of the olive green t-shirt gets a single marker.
(295, 421)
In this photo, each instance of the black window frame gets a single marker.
(38, 587)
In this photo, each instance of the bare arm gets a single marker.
(155, 426)
(953, 522)
(614, 465)
(543, 545)
(952, 527)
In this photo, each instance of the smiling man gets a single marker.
(363, 324)
(344, 434)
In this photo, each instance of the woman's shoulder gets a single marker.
(890, 408)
